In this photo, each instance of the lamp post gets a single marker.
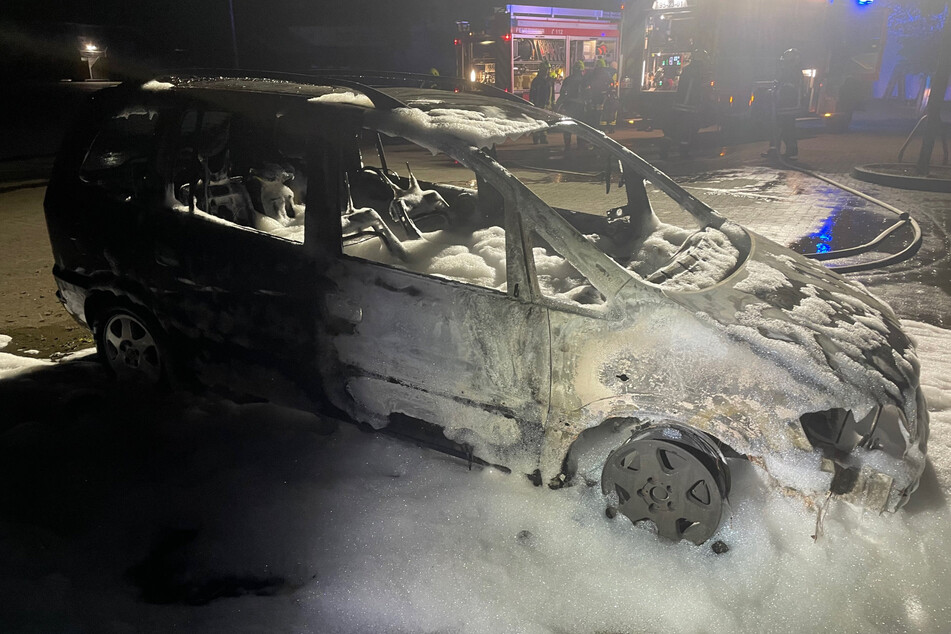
(90, 52)
(234, 36)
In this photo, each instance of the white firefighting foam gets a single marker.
(705, 258)
(479, 259)
(366, 533)
(357, 99)
(480, 127)
(156, 85)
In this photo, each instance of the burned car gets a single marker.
(401, 255)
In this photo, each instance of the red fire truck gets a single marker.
(649, 42)
(510, 48)
(840, 42)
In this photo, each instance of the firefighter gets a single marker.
(542, 94)
(597, 86)
(787, 100)
(571, 101)
(611, 102)
(693, 93)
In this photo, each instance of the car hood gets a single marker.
(811, 319)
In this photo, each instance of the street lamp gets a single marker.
(90, 52)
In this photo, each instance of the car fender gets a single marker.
(665, 362)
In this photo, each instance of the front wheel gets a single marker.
(672, 475)
(130, 344)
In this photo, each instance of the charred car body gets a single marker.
(391, 251)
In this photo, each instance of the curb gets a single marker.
(9, 187)
(894, 175)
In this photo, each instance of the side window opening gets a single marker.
(603, 203)
(426, 213)
(121, 157)
(671, 250)
(244, 172)
(640, 226)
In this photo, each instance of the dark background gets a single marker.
(40, 40)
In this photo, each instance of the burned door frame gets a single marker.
(242, 295)
(110, 233)
(472, 360)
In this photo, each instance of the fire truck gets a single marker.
(509, 49)
(840, 42)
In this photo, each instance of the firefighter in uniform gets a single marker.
(597, 86)
(787, 96)
(693, 94)
(542, 94)
(571, 101)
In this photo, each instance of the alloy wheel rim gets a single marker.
(131, 350)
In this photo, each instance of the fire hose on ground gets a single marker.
(903, 219)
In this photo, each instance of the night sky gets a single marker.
(39, 39)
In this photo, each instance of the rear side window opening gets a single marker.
(246, 172)
(121, 157)
(238, 170)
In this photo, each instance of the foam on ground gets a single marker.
(366, 533)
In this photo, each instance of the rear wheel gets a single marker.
(672, 475)
(131, 345)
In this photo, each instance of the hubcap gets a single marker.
(667, 475)
(131, 350)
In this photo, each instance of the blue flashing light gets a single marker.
(824, 236)
(862, 3)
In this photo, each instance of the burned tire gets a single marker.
(672, 475)
(132, 346)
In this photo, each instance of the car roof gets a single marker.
(384, 90)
